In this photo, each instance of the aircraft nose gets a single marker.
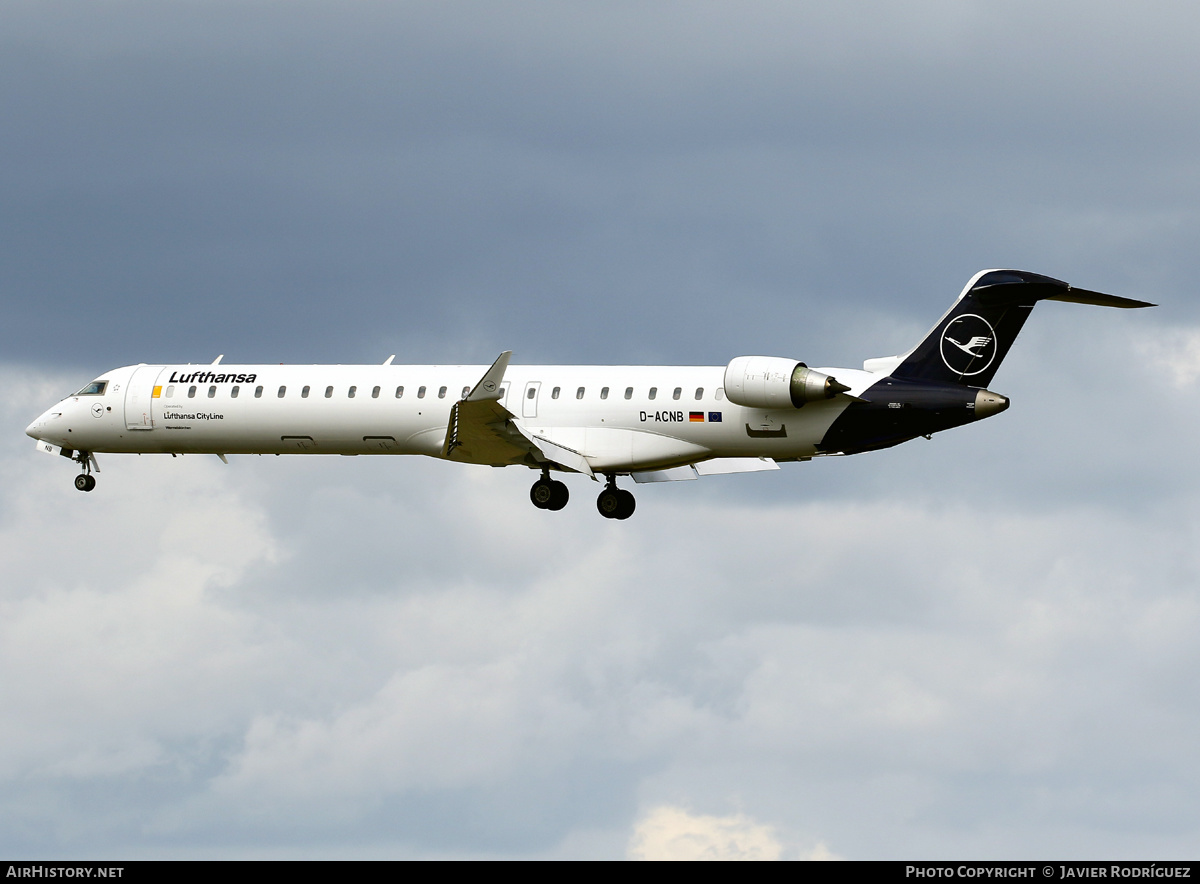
(37, 429)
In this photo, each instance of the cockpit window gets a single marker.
(95, 388)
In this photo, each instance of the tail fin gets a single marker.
(968, 344)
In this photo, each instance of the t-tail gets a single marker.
(942, 382)
(968, 344)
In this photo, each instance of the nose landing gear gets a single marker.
(85, 481)
(613, 503)
(549, 494)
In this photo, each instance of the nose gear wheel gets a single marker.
(85, 481)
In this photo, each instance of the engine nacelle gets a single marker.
(776, 382)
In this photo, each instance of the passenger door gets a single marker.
(140, 399)
(529, 401)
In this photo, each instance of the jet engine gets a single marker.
(776, 382)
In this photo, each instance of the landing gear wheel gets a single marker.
(613, 503)
(559, 497)
(609, 502)
(85, 482)
(549, 494)
(628, 505)
(542, 494)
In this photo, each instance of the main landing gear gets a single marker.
(85, 481)
(614, 503)
(549, 494)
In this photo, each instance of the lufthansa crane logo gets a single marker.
(968, 345)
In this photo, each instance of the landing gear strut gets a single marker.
(549, 494)
(614, 503)
(85, 481)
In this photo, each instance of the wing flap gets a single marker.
(716, 466)
(722, 465)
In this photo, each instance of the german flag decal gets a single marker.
(696, 416)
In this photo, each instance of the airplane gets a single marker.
(650, 423)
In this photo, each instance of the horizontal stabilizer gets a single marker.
(1083, 296)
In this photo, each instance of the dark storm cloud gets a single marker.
(578, 184)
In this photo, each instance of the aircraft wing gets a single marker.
(481, 430)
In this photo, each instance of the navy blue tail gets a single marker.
(971, 340)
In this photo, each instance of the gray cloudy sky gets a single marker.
(983, 645)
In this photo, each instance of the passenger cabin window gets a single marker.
(677, 391)
(720, 394)
(282, 392)
(653, 392)
(699, 393)
(531, 393)
(329, 392)
(305, 391)
(212, 392)
(258, 392)
(233, 394)
(629, 392)
(171, 391)
(441, 392)
(191, 392)
(420, 392)
(466, 391)
(375, 393)
(399, 392)
(353, 390)
(579, 393)
(554, 393)
(95, 388)
(604, 392)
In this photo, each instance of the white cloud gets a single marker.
(1176, 352)
(674, 834)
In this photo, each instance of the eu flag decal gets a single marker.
(714, 417)
(696, 416)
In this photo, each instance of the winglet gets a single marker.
(489, 385)
(388, 361)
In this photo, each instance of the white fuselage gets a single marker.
(622, 418)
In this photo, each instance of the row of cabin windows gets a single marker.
(234, 392)
(653, 394)
(353, 392)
